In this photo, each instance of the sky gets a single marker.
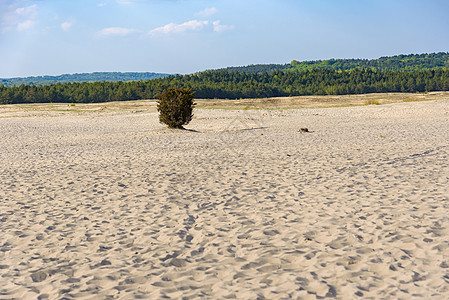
(52, 37)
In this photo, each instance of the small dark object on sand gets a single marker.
(178, 262)
(303, 130)
(38, 276)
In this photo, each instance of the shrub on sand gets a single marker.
(175, 107)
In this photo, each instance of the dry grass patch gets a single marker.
(144, 106)
(371, 102)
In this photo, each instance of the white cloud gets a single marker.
(66, 25)
(28, 10)
(218, 27)
(25, 25)
(125, 2)
(207, 12)
(19, 18)
(116, 31)
(102, 4)
(177, 28)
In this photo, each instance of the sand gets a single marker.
(100, 205)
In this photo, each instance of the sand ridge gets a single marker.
(241, 206)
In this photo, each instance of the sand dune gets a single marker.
(114, 205)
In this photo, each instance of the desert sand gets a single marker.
(110, 204)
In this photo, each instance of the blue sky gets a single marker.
(50, 37)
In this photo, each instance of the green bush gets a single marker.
(175, 107)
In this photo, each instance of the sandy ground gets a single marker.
(140, 106)
(241, 205)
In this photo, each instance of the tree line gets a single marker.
(234, 85)
(410, 62)
(82, 77)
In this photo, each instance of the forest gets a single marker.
(234, 85)
(411, 62)
(82, 77)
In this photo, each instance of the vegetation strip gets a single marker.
(223, 84)
(403, 73)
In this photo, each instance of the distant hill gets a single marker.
(234, 85)
(402, 73)
(411, 62)
(256, 69)
(82, 77)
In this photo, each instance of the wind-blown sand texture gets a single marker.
(113, 205)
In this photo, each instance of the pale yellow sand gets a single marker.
(114, 205)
